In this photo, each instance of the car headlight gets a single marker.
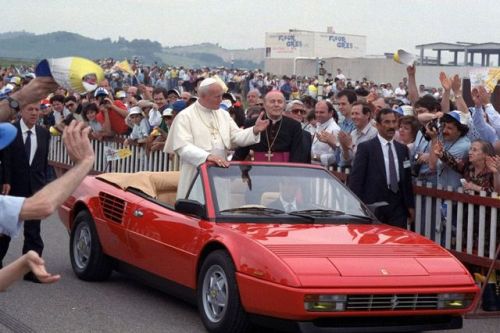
(325, 303)
(454, 301)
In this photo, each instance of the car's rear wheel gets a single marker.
(218, 297)
(87, 258)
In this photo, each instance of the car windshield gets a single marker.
(271, 190)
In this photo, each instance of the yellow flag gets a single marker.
(124, 153)
(125, 67)
(492, 79)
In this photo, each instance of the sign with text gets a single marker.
(314, 45)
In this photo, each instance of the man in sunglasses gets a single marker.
(296, 110)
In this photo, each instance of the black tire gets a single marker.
(230, 317)
(85, 251)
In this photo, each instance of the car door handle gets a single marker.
(138, 213)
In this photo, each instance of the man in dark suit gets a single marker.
(381, 172)
(287, 200)
(25, 163)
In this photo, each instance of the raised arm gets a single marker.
(456, 86)
(412, 84)
(445, 100)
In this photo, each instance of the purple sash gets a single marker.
(261, 156)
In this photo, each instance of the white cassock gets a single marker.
(321, 148)
(197, 132)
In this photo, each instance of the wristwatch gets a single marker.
(13, 104)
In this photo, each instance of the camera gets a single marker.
(416, 166)
(102, 100)
(68, 119)
(434, 124)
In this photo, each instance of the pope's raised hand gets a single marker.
(260, 124)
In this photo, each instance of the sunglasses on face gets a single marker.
(299, 111)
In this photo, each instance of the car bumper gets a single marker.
(272, 300)
(362, 324)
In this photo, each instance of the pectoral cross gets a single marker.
(269, 155)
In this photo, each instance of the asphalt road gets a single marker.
(118, 305)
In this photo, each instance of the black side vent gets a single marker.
(112, 207)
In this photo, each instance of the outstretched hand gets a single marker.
(456, 84)
(37, 266)
(76, 140)
(445, 81)
(260, 124)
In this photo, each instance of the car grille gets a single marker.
(392, 302)
(357, 250)
(112, 207)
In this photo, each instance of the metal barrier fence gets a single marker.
(140, 160)
(465, 224)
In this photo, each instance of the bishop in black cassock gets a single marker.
(281, 142)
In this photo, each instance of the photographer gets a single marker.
(426, 108)
(452, 134)
(117, 111)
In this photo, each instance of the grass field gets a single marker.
(16, 62)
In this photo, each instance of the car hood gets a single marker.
(321, 254)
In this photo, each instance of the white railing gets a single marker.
(460, 222)
(140, 160)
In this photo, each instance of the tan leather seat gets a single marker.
(158, 185)
(268, 197)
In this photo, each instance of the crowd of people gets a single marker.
(410, 133)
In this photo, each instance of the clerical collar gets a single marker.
(273, 121)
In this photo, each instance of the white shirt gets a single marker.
(59, 116)
(34, 145)
(385, 151)
(155, 118)
(400, 92)
(323, 149)
(360, 136)
(286, 204)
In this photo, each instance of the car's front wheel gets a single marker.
(218, 297)
(86, 255)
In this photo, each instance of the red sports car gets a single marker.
(278, 245)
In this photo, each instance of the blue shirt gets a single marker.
(479, 128)
(423, 146)
(446, 175)
(347, 125)
(10, 208)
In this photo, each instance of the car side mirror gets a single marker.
(190, 207)
(374, 206)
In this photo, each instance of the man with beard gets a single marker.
(381, 172)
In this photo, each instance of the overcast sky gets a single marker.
(388, 24)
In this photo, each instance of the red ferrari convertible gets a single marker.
(278, 245)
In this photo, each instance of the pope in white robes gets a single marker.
(205, 132)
